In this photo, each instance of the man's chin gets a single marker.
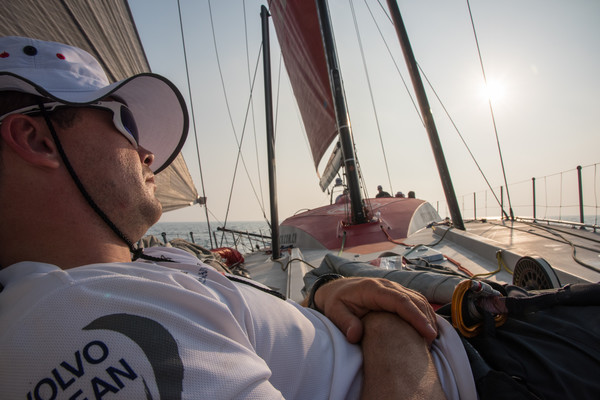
(157, 214)
(151, 216)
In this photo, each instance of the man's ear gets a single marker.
(30, 139)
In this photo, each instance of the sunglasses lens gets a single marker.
(129, 123)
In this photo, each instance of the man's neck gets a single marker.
(59, 241)
(64, 255)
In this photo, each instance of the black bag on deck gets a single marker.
(548, 348)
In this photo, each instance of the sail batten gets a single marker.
(334, 164)
(299, 35)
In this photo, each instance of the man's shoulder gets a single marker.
(43, 279)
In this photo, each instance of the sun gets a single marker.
(494, 91)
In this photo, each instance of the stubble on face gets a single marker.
(113, 173)
(131, 194)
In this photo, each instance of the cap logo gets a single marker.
(30, 50)
(60, 56)
(4, 54)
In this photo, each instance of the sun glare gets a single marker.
(494, 91)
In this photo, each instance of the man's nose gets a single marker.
(146, 156)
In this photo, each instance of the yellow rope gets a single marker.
(501, 265)
(458, 322)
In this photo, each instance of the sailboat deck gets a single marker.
(553, 243)
(474, 250)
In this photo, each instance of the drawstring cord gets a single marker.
(137, 253)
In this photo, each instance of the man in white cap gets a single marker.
(80, 319)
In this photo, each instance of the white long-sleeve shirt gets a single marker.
(180, 330)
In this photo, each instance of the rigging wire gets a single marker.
(492, 113)
(239, 143)
(214, 36)
(393, 58)
(368, 203)
(240, 155)
(561, 194)
(364, 61)
(595, 194)
(187, 73)
(460, 135)
(384, 10)
(545, 197)
(262, 200)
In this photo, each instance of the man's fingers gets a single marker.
(407, 304)
(347, 322)
(419, 315)
(345, 301)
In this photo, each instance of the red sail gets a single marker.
(299, 35)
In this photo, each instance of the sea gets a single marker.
(199, 233)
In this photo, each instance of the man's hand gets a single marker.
(346, 301)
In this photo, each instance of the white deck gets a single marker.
(474, 249)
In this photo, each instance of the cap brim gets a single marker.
(157, 106)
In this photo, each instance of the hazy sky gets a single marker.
(542, 56)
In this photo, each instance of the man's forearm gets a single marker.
(397, 362)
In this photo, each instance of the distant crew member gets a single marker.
(411, 194)
(382, 193)
(400, 195)
(343, 198)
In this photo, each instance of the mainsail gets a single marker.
(299, 35)
(106, 30)
(308, 47)
(175, 188)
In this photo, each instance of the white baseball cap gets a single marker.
(72, 76)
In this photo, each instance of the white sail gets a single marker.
(106, 30)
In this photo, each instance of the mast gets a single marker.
(356, 201)
(434, 139)
(264, 15)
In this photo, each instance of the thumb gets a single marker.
(348, 323)
(354, 331)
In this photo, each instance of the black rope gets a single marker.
(136, 253)
(262, 289)
(80, 186)
(139, 252)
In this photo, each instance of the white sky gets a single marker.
(544, 55)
